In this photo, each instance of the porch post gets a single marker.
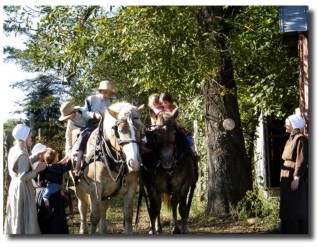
(303, 78)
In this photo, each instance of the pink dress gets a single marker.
(171, 108)
(157, 110)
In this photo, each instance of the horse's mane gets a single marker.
(126, 112)
(166, 118)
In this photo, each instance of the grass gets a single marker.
(199, 223)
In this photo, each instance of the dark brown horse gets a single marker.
(169, 170)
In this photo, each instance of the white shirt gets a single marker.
(97, 105)
(78, 122)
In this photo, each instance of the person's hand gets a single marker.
(65, 159)
(40, 153)
(98, 116)
(294, 184)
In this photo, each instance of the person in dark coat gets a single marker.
(294, 179)
(56, 223)
(53, 175)
(51, 200)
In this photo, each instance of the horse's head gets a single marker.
(165, 138)
(122, 126)
(164, 117)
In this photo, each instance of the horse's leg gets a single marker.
(155, 207)
(183, 212)
(174, 201)
(95, 215)
(103, 209)
(128, 205)
(158, 226)
(82, 196)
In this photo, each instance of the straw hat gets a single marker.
(105, 85)
(66, 110)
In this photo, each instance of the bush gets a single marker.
(254, 204)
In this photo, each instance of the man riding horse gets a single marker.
(86, 119)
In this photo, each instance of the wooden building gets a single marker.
(294, 27)
(271, 141)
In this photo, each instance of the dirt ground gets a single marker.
(197, 225)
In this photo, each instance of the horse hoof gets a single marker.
(185, 231)
(176, 231)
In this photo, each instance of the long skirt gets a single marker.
(54, 221)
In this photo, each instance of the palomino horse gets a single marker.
(169, 169)
(114, 169)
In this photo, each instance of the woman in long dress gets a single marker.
(21, 213)
(294, 179)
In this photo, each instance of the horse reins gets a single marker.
(107, 152)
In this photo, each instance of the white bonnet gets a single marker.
(37, 148)
(21, 132)
(297, 121)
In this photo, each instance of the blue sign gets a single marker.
(293, 18)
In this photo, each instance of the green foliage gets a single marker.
(158, 48)
(153, 48)
(266, 76)
(43, 102)
(254, 204)
(147, 49)
(250, 206)
(9, 125)
(198, 206)
(19, 19)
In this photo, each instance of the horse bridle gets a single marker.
(175, 159)
(120, 142)
(104, 144)
(117, 135)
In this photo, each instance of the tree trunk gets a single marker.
(229, 174)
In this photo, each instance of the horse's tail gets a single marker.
(167, 201)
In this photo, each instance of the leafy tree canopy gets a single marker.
(157, 48)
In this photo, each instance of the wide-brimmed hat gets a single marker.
(105, 85)
(66, 110)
